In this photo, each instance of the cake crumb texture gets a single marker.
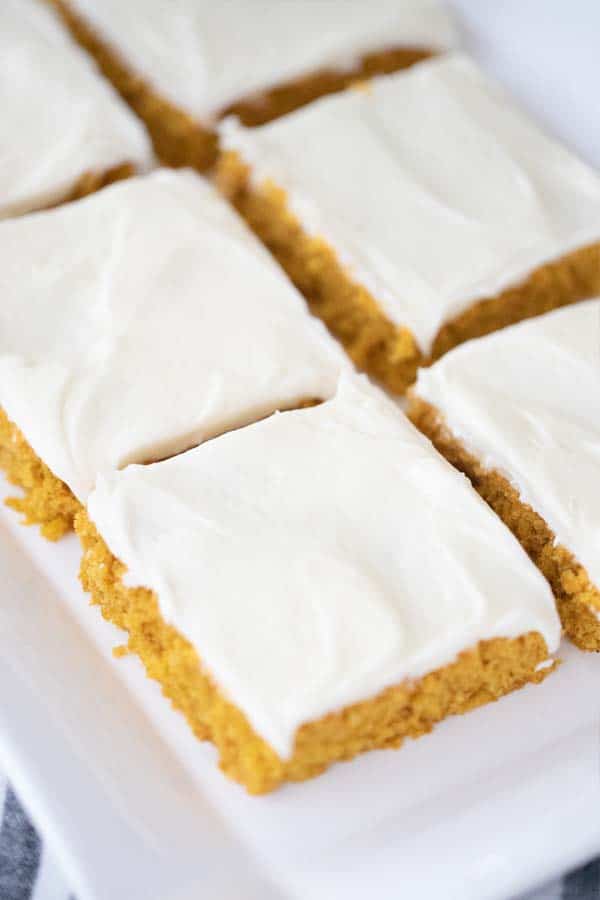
(289, 96)
(90, 182)
(375, 345)
(46, 501)
(578, 600)
(479, 675)
(571, 278)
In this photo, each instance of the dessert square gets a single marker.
(519, 413)
(315, 585)
(65, 131)
(194, 60)
(150, 319)
(418, 212)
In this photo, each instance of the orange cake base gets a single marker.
(90, 182)
(46, 500)
(287, 97)
(180, 140)
(384, 350)
(478, 676)
(578, 600)
(569, 279)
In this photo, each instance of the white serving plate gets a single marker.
(490, 805)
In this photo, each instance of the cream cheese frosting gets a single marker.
(60, 118)
(526, 401)
(431, 187)
(228, 51)
(144, 319)
(319, 556)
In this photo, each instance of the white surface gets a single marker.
(154, 275)
(431, 186)
(225, 535)
(546, 53)
(490, 805)
(76, 124)
(526, 401)
(227, 51)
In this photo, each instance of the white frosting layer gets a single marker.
(60, 118)
(320, 556)
(227, 51)
(526, 401)
(144, 319)
(431, 187)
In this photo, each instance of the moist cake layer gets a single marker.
(150, 319)
(434, 193)
(313, 561)
(45, 500)
(519, 411)
(229, 51)
(65, 130)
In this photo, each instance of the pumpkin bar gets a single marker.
(417, 212)
(315, 585)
